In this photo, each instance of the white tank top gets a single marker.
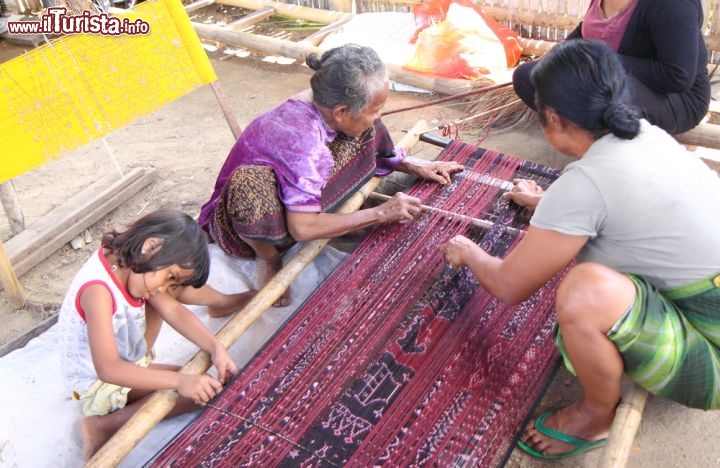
(128, 324)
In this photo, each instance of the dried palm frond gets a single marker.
(499, 109)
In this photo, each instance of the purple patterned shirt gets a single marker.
(292, 139)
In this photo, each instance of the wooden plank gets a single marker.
(45, 236)
(161, 402)
(23, 339)
(623, 429)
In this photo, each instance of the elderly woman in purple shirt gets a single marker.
(297, 163)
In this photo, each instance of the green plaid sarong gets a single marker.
(670, 342)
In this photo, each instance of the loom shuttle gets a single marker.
(481, 223)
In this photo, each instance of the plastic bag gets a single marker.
(454, 39)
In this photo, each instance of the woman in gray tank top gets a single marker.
(634, 212)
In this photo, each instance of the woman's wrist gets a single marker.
(382, 216)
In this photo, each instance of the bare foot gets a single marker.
(234, 303)
(93, 435)
(265, 271)
(575, 420)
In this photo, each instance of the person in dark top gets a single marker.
(661, 47)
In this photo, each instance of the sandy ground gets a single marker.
(187, 142)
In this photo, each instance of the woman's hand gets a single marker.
(456, 250)
(400, 207)
(525, 193)
(439, 171)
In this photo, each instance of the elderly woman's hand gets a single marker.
(439, 171)
(525, 193)
(400, 207)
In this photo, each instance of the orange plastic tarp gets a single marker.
(455, 39)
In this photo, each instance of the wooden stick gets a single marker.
(226, 109)
(9, 281)
(161, 402)
(623, 429)
(11, 205)
(481, 223)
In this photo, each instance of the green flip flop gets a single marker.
(581, 445)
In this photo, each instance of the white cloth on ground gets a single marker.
(39, 427)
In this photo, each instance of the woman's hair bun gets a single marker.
(621, 119)
(313, 61)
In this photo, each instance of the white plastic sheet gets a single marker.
(38, 420)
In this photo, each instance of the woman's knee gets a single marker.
(595, 294)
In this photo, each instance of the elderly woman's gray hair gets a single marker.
(350, 75)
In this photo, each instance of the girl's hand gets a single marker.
(438, 171)
(455, 251)
(223, 363)
(525, 193)
(199, 388)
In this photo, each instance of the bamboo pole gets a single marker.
(705, 134)
(11, 205)
(623, 429)
(253, 18)
(161, 402)
(191, 7)
(299, 51)
(293, 11)
(11, 285)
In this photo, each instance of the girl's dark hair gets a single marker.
(350, 75)
(584, 82)
(183, 243)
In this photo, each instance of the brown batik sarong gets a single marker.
(249, 206)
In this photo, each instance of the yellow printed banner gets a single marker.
(80, 87)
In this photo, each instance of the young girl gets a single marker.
(112, 315)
